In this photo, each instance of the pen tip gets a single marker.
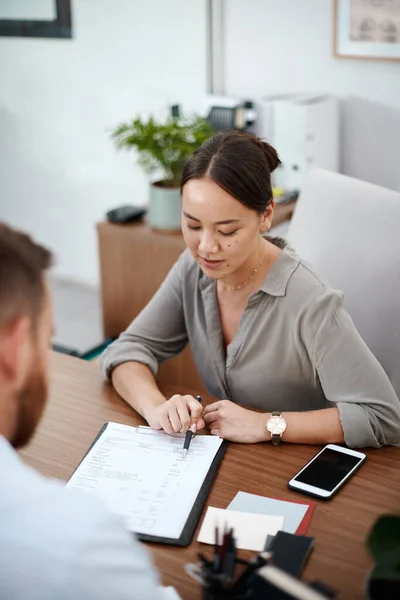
(184, 452)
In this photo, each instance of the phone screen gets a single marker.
(328, 469)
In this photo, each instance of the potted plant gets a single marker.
(163, 147)
(384, 546)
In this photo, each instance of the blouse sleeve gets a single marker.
(351, 376)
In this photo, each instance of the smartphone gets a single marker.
(325, 474)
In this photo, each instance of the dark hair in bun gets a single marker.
(240, 163)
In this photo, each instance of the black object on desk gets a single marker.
(271, 574)
(289, 551)
(274, 584)
(125, 214)
(218, 576)
(289, 554)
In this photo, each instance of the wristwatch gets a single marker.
(276, 425)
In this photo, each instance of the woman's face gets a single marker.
(221, 232)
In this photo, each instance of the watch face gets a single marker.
(276, 425)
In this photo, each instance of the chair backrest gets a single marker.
(350, 231)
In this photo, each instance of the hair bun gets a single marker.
(271, 156)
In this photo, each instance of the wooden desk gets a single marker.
(80, 402)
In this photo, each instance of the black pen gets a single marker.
(216, 551)
(230, 557)
(189, 435)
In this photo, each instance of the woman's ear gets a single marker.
(266, 217)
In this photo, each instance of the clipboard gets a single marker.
(195, 513)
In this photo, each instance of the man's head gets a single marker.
(25, 332)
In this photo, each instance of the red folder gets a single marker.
(305, 523)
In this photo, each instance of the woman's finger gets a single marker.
(166, 424)
(184, 417)
(194, 406)
(210, 417)
(200, 424)
(212, 407)
(174, 418)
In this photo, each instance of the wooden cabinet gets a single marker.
(134, 261)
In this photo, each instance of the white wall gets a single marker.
(273, 46)
(59, 171)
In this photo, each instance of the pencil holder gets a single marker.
(215, 587)
(226, 576)
(217, 593)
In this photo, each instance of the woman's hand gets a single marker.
(176, 415)
(235, 423)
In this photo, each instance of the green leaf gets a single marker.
(384, 542)
(383, 584)
(385, 572)
(164, 145)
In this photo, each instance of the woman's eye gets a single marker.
(193, 227)
(229, 233)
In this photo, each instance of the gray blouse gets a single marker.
(296, 348)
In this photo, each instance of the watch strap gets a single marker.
(276, 437)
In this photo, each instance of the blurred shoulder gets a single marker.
(56, 537)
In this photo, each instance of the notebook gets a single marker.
(296, 515)
(250, 530)
(141, 475)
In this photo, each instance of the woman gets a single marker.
(267, 333)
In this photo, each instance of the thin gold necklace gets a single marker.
(246, 283)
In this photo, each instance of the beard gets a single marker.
(31, 402)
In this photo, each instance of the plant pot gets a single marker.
(381, 589)
(165, 207)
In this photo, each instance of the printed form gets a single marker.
(141, 475)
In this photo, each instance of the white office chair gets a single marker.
(350, 231)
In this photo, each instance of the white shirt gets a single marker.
(59, 545)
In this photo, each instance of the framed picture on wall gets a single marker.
(38, 18)
(366, 29)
